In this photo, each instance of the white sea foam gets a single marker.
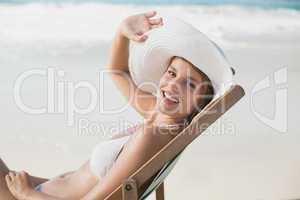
(65, 25)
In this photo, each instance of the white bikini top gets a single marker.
(106, 152)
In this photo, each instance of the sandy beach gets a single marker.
(242, 156)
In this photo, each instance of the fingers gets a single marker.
(23, 173)
(143, 38)
(156, 21)
(140, 38)
(10, 177)
(155, 26)
(12, 174)
(150, 14)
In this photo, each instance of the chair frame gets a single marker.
(130, 189)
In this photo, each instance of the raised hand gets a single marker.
(134, 27)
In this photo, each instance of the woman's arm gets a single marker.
(132, 28)
(145, 145)
(126, 132)
(41, 196)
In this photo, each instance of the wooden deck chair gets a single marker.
(150, 176)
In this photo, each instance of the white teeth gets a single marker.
(170, 97)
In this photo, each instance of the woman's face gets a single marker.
(182, 89)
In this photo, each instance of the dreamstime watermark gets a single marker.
(279, 120)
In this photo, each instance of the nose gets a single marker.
(173, 86)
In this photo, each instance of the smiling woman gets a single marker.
(184, 88)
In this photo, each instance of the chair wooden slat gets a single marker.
(160, 192)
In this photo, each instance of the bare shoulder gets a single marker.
(154, 135)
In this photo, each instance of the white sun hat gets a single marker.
(149, 60)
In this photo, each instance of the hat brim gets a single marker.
(149, 60)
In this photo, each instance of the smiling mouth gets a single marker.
(170, 97)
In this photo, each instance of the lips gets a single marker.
(170, 97)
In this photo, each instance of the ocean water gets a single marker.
(291, 4)
(65, 25)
